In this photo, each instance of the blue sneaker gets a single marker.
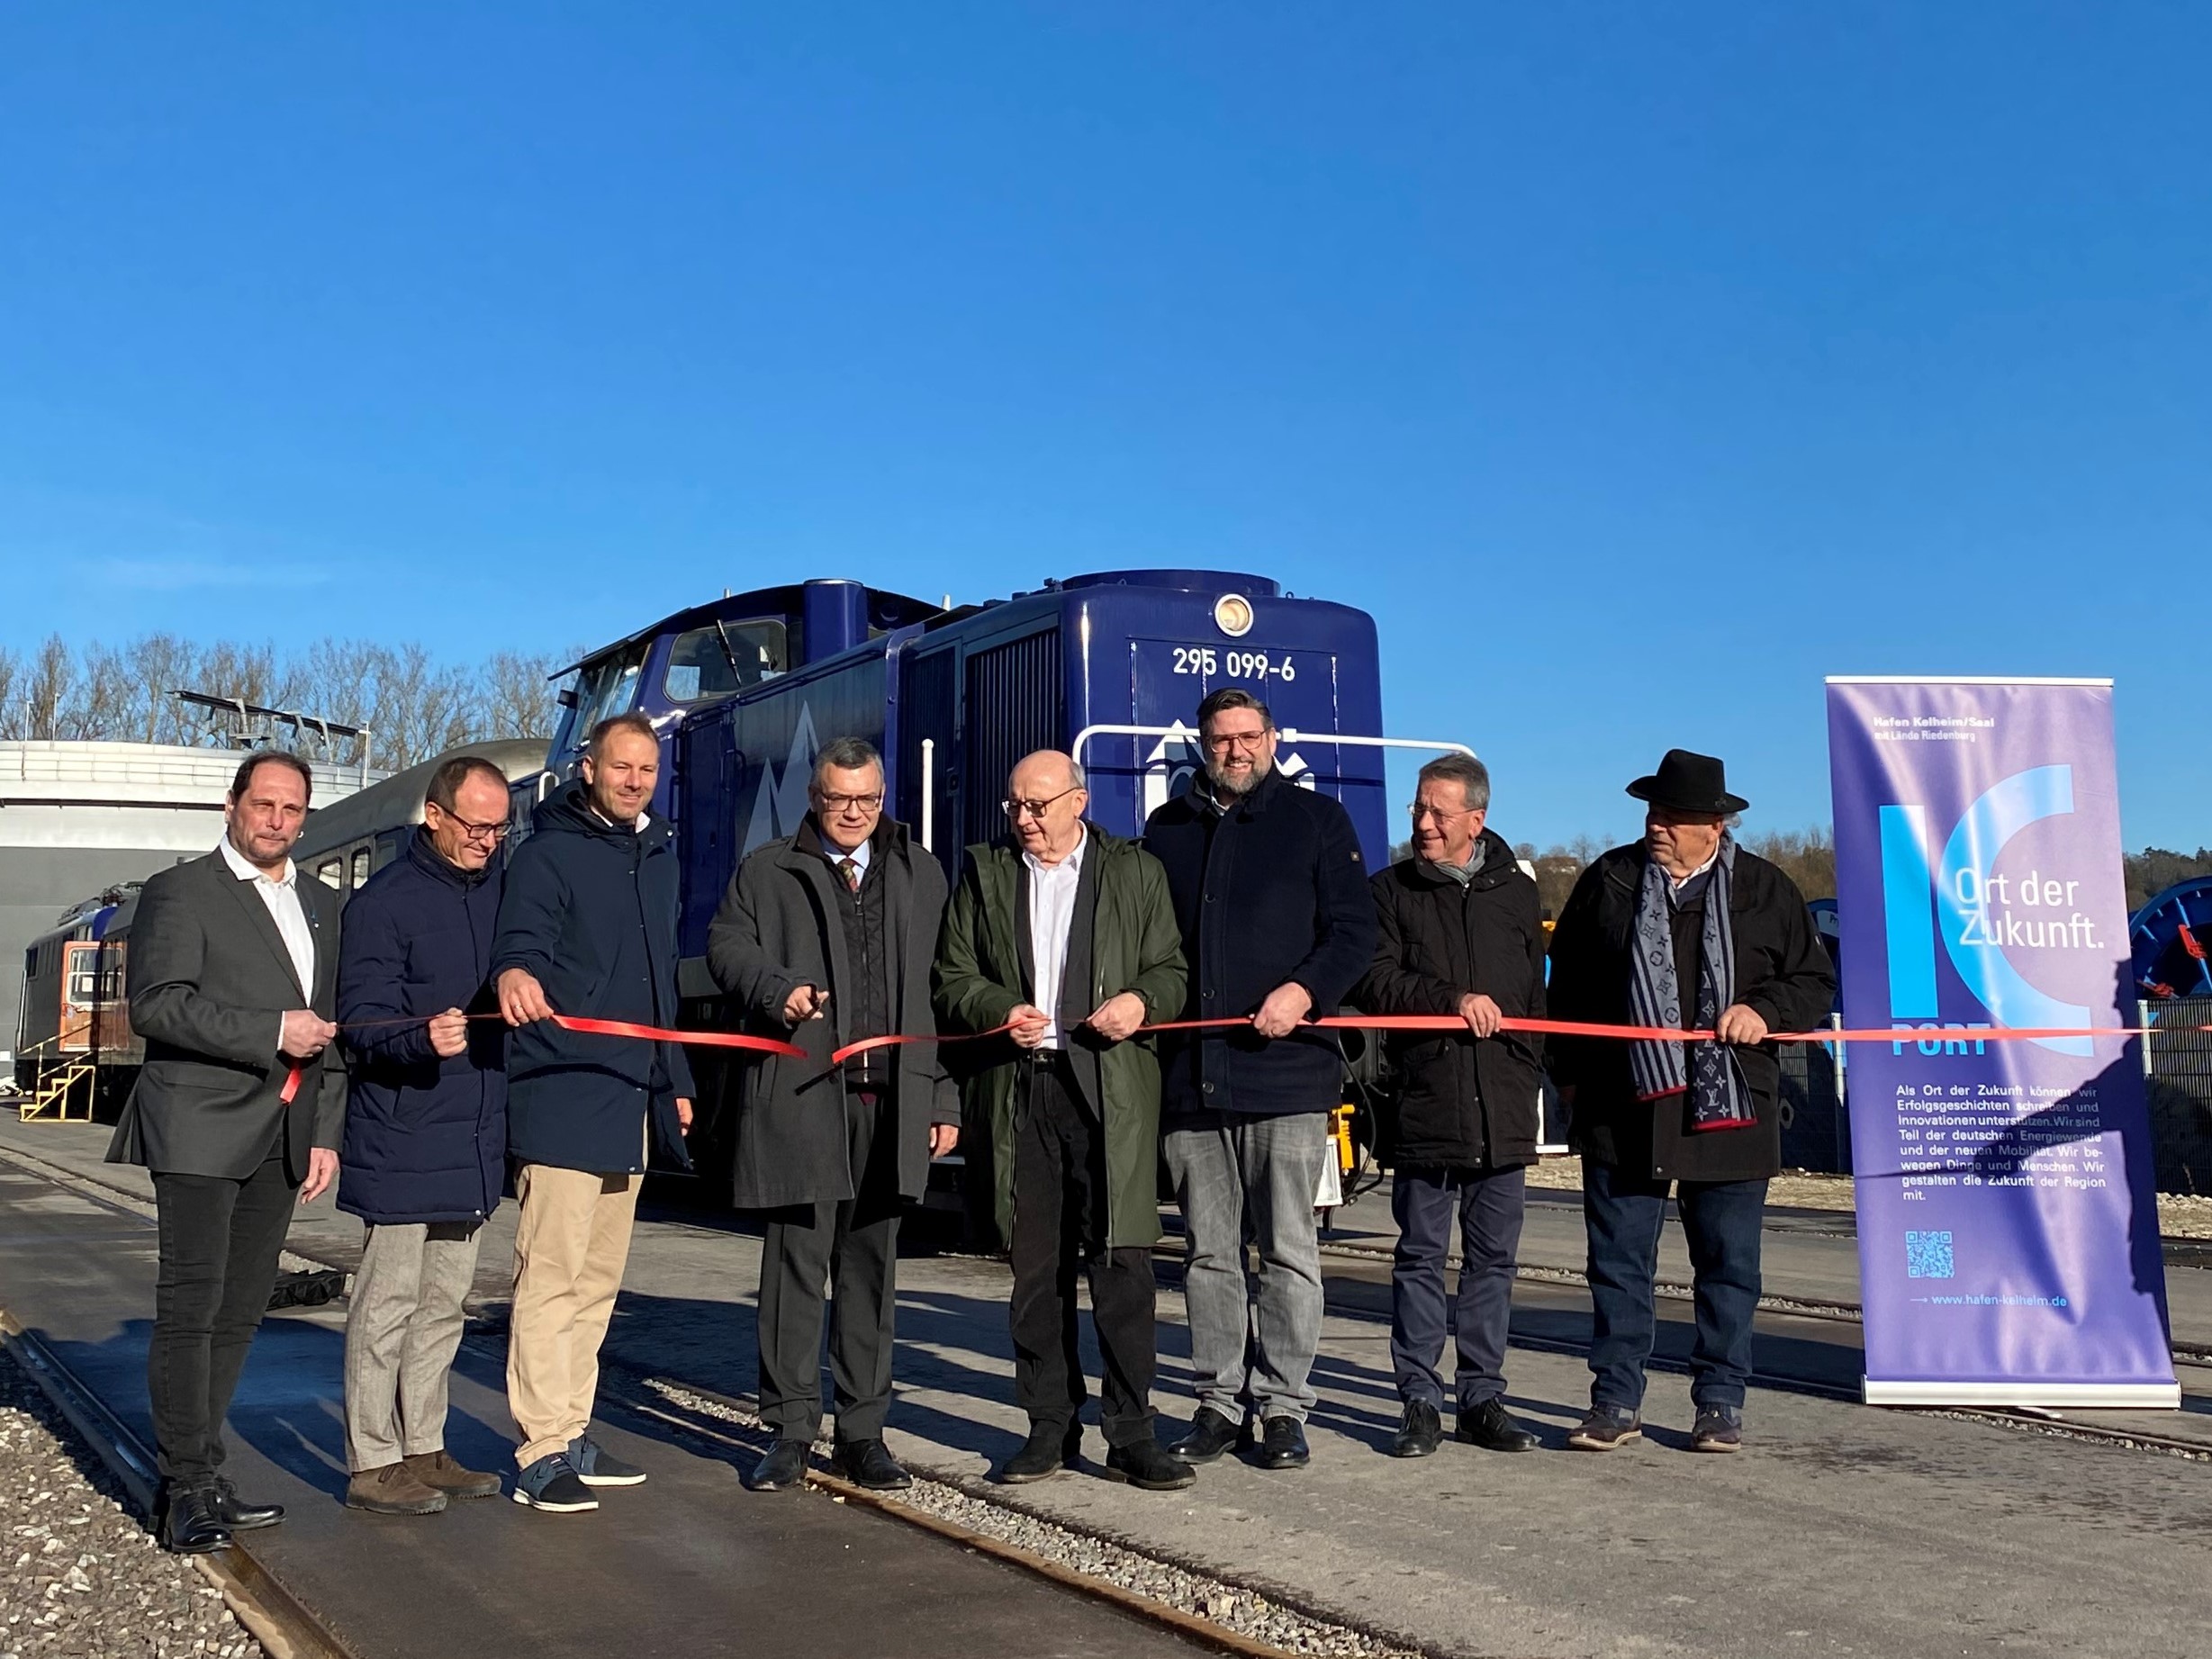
(597, 1466)
(551, 1484)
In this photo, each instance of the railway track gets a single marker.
(1198, 1606)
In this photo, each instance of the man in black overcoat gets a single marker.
(231, 972)
(1683, 929)
(825, 938)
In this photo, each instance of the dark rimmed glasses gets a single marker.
(493, 832)
(1019, 809)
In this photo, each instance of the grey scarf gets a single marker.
(1718, 1098)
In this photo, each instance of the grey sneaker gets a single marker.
(597, 1466)
(551, 1484)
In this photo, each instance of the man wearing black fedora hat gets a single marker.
(1683, 929)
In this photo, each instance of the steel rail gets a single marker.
(276, 1618)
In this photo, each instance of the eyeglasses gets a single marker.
(1236, 740)
(1018, 809)
(494, 833)
(1418, 812)
(839, 803)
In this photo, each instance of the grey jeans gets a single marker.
(402, 1331)
(1251, 1178)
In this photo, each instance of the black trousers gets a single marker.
(1059, 1199)
(220, 1239)
(852, 1247)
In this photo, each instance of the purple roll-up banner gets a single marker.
(2008, 1219)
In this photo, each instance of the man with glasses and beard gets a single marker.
(425, 1156)
(822, 938)
(1277, 923)
(1065, 934)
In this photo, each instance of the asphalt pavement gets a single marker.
(1840, 1528)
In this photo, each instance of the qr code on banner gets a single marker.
(1928, 1256)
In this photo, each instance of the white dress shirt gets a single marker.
(289, 912)
(1052, 912)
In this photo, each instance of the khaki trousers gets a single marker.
(571, 1246)
(404, 1325)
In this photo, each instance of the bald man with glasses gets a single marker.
(1060, 943)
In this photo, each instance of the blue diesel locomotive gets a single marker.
(1110, 666)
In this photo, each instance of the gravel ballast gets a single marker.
(1234, 1607)
(81, 1575)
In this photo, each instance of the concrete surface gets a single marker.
(1838, 1530)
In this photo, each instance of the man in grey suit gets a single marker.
(231, 972)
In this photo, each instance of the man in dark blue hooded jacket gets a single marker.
(587, 928)
(425, 1137)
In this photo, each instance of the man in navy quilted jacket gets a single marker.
(426, 1141)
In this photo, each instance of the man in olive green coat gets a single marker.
(1063, 936)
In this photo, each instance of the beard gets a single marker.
(1234, 787)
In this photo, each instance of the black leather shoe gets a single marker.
(189, 1526)
(1046, 1452)
(1282, 1444)
(870, 1464)
(240, 1516)
(784, 1467)
(1146, 1464)
(1210, 1435)
(1489, 1427)
(1420, 1433)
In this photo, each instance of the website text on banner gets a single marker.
(2007, 1224)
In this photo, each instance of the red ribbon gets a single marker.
(597, 1028)
(1341, 1022)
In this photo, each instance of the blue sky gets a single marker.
(1636, 366)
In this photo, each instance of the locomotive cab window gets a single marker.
(332, 872)
(360, 865)
(710, 661)
(605, 687)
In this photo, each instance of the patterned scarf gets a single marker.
(1718, 1098)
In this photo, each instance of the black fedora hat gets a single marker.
(1689, 783)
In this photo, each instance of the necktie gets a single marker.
(852, 872)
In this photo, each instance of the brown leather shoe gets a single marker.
(438, 1472)
(393, 1489)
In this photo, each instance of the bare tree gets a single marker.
(421, 709)
(47, 689)
(519, 693)
(11, 711)
(1806, 856)
(414, 705)
(156, 668)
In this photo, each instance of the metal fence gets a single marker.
(2177, 1062)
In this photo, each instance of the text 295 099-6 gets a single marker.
(1207, 661)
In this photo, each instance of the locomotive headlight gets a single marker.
(1233, 615)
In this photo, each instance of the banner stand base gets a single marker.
(2082, 1396)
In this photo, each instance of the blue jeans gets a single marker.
(1489, 1205)
(1256, 1178)
(1623, 1212)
